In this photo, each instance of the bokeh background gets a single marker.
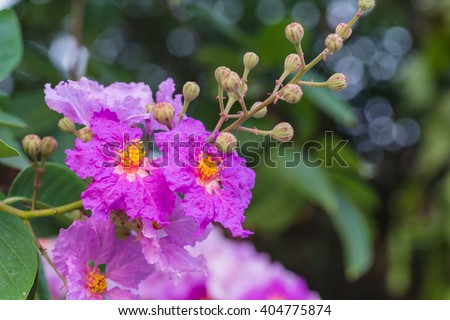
(378, 229)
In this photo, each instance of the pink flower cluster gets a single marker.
(145, 213)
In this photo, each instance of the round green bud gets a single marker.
(231, 82)
(251, 59)
(226, 142)
(293, 63)
(220, 71)
(163, 113)
(66, 125)
(191, 90)
(291, 93)
(337, 82)
(261, 113)
(85, 134)
(366, 5)
(294, 32)
(31, 144)
(334, 42)
(48, 146)
(282, 132)
(340, 28)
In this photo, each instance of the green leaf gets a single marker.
(7, 151)
(313, 183)
(10, 42)
(273, 214)
(59, 185)
(7, 119)
(16, 162)
(354, 233)
(18, 258)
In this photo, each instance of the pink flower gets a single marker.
(216, 187)
(96, 264)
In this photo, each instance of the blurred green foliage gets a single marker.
(391, 217)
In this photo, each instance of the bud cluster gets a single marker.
(290, 91)
(33, 146)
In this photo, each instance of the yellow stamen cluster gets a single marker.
(208, 168)
(133, 155)
(96, 282)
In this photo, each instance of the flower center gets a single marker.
(208, 168)
(96, 282)
(132, 157)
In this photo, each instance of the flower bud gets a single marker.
(85, 134)
(231, 81)
(31, 144)
(340, 27)
(366, 5)
(66, 125)
(235, 96)
(294, 32)
(293, 63)
(48, 146)
(334, 42)
(251, 59)
(291, 93)
(226, 142)
(337, 82)
(191, 90)
(282, 132)
(163, 113)
(220, 71)
(261, 113)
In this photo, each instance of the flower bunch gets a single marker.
(158, 179)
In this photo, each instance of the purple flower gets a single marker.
(96, 264)
(216, 187)
(191, 286)
(164, 245)
(249, 274)
(235, 271)
(122, 178)
(79, 100)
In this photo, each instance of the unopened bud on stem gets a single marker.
(282, 132)
(220, 71)
(366, 5)
(85, 134)
(291, 93)
(340, 28)
(226, 142)
(66, 125)
(32, 145)
(259, 114)
(48, 147)
(334, 42)
(231, 82)
(337, 82)
(163, 113)
(293, 63)
(251, 59)
(294, 32)
(191, 90)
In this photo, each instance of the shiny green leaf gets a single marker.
(59, 185)
(354, 233)
(7, 151)
(18, 258)
(10, 42)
